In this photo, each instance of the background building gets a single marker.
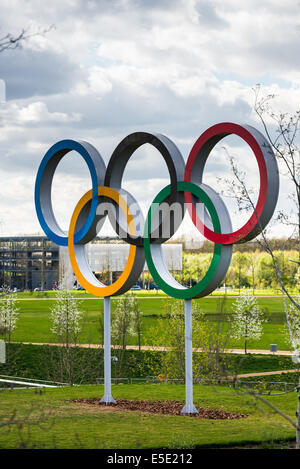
(31, 262)
(107, 260)
(28, 262)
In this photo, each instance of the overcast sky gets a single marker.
(112, 67)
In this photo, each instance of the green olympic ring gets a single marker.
(154, 257)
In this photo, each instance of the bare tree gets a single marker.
(137, 320)
(122, 327)
(10, 41)
(287, 152)
(66, 325)
(66, 317)
(23, 423)
(209, 340)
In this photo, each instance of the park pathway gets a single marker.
(153, 348)
(266, 373)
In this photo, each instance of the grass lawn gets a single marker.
(34, 324)
(65, 424)
(150, 293)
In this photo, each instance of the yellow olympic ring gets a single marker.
(97, 288)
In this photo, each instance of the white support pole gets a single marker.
(189, 407)
(2, 351)
(107, 398)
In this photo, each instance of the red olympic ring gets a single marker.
(268, 172)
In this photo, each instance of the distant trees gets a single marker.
(239, 263)
(253, 269)
(248, 269)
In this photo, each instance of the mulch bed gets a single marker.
(163, 407)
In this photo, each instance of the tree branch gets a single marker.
(12, 42)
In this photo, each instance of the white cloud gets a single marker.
(97, 83)
(111, 68)
(36, 112)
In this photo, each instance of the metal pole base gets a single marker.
(189, 409)
(108, 399)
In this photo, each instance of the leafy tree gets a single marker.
(295, 326)
(247, 318)
(8, 313)
(66, 317)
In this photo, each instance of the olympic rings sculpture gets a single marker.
(186, 189)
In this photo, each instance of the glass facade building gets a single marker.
(35, 262)
(28, 262)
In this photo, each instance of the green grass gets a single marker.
(63, 424)
(251, 363)
(290, 379)
(152, 293)
(46, 362)
(34, 324)
(66, 425)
